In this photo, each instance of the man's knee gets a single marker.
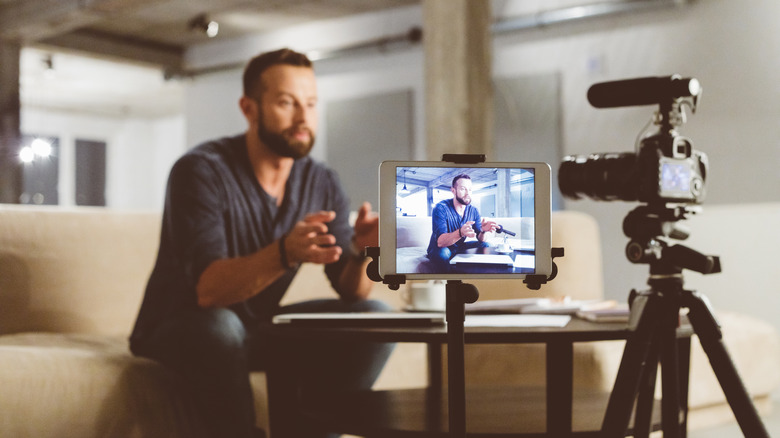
(441, 256)
(204, 332)
(222, 328)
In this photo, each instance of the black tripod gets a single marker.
(654, 321)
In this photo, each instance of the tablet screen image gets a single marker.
(442, 220)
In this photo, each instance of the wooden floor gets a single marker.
(731, 429)
(491, 412)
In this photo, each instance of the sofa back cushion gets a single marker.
(413, 231)
(74, 269)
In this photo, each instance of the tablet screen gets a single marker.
(443, 220)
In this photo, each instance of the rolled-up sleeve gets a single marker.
(196, 223)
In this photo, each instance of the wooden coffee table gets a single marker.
(490, 411)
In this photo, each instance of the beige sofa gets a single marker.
(71, 281)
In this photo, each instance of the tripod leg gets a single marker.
(711, 338)
(644, 405)
(670, 379)
(684, 367)
(636, 356)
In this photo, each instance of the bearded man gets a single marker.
(241, 215)
(453, 222)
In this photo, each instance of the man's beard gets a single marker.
(283, 143)
(463, 201)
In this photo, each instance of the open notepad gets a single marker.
(491, 259)
(515, 320)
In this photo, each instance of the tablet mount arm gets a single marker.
(394, 281)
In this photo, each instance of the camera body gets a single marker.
(665, 169)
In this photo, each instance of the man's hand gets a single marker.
(488, 225)
(354, 284)
(366, 227)
(467, 230)
(309, 240)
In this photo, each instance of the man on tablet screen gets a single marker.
(455, 222)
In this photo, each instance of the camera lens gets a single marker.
(603, 177)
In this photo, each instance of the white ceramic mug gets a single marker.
(426, 297)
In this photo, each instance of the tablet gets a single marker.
(442, 220)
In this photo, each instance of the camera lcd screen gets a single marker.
(442, 220)
(676, 178)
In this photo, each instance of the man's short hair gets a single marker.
(461, 176)
(260, 63)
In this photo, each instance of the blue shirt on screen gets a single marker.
(444, 219)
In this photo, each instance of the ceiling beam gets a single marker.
(110, 46)
(29, 21)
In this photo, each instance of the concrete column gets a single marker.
(10, 135)
(458, 87)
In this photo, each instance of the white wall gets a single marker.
(211, 106)
(139, 152)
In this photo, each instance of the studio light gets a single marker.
(212, 29)
(202, 23)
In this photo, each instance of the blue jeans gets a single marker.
(213, 352)
(441, 256)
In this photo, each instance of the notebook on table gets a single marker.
(357, 319)
(491, 259)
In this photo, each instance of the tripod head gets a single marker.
(648, 225)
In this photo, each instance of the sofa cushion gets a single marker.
(74, 269)
(413, 231)
(86, 385)
(753, 344)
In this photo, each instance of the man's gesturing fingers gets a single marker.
(467, 230)
(309, 240)
(320, 216)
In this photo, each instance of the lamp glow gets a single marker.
(26, 154)
(41, 147)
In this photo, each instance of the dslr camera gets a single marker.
(665, 169)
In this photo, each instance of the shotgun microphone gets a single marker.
(642, 91)
(501, 229)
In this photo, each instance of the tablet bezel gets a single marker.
(388, 219)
